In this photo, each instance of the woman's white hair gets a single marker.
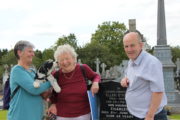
(66, 48)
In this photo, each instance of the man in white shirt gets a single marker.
(145, 95)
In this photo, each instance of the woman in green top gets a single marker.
(27, 104)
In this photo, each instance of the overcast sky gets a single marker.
(43, 21)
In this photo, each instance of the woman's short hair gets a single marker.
(66, 48)
(21, 45)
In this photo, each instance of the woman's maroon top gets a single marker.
(72, 101)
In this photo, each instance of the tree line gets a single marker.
(106, 44)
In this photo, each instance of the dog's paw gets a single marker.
(57, 89)
(36, 84)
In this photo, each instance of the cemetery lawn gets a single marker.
(3, 114)
(174, 117)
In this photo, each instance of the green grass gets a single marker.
(175, 116)
(3, 114)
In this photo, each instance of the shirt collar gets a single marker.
(138, 59)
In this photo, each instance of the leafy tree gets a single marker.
(91, 51)
(110, 35)
(38, 54)
(9, 58)
(37, 60)
(47, 54)
(2, 53)
(175, 53)
(1, 73)
(70, 39)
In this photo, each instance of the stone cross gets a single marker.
(97, 62)
(132, 25)
(178, 67)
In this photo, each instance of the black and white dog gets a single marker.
(44, 74)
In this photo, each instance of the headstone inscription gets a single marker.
(112, 102)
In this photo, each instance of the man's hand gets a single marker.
(124, 82)
(149, 118)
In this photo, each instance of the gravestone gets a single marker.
(97, 62)
(112, 102)
(79, 61)
(111, 96)
(5, 75)
(103, 73)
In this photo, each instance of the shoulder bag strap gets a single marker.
(17, 88)
(84, 74)
(14, 92)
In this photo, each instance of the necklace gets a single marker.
(71, 75)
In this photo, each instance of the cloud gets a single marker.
(45, 20)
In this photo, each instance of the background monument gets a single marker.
(163, 52)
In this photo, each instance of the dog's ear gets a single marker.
(42, 69)
(48, 64)
(36, 76)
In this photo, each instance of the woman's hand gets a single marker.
(95, 88)
(52, 109)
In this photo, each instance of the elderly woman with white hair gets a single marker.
(72, 102)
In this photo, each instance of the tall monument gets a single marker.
(163, 52)
(161, 24)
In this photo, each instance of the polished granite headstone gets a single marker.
(112, 102)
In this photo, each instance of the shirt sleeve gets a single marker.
(91, 75)
(156, 77)
(25, 80)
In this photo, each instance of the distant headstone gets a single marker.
(79, 61)
(103, 66)
(5, 74)
(112, 102)
(97, 62)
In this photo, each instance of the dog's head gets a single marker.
(46, 68)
